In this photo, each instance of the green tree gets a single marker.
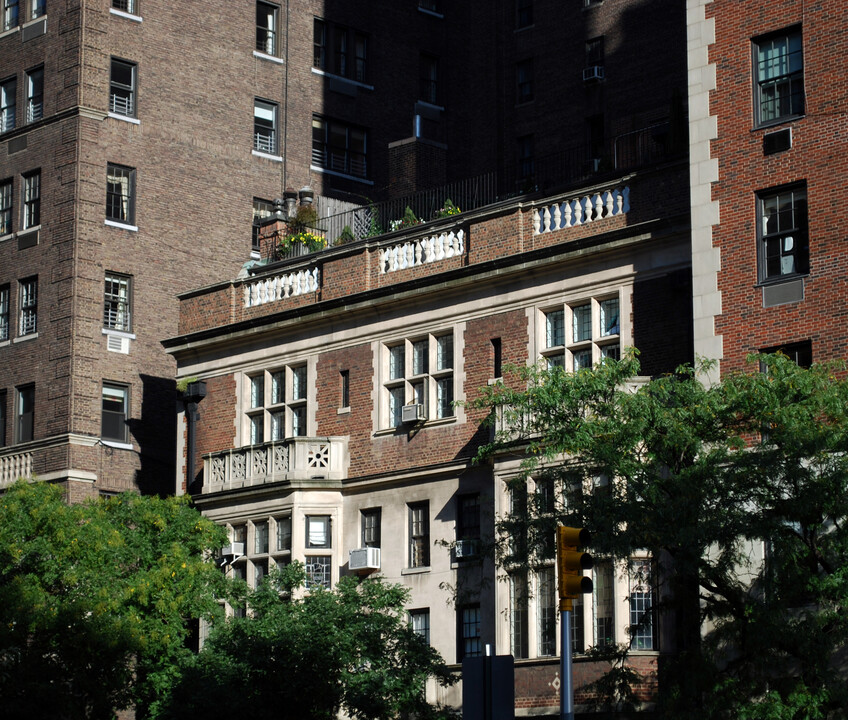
(739, 490)
(95, 599)
(310, 654)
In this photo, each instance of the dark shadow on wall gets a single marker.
(156, 432)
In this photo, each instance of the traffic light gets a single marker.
(571, 563)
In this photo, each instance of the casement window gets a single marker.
(371, 527)
(419, 534)
(641, 605)
(120, 194)
(340, 50)
(6, 205)
(31, 200)
(28, 306)
(469, 644)
(338, 147)
(5, 295)
(518, 614)
(260, 537)
(276, 404)
(779, 76)
(8, 104)
(38, 8)
(419, 371)
(10, 14)
(582, 333)
(24, 413)
(524, 81)
(523, 13)
(602, 602)
(35, 94)
(318, 571)
(117, 313)
(546, 611)
(127, 6)
(265, 126)
(122, 88)
(420, 622)
(318, 532)
(429, 79)
(267, 22)
(2, 418)
(283, 534)
(262, 209)
(114, 412)
(783, 243)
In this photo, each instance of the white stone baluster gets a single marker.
(536, 222)
(578, 212)
(460, 237)
(599, 207)
(587, 209)
(566, 214)
(608, 203)
(546, 218)
(557, 217)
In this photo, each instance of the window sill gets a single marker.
(24, 338)
(119, 333)
(404, 428)
(267, 156)
(343, 411)
(10, 31)
(122, 226)
(117, 445)
(9, 236)
(431, 13)
(769, 124)
(415, 570)
(128, 16)
(4, 343)
(342, 78)
(432, 106)
(769, 282)
(124, 118)
(325, 171)
(269, 58)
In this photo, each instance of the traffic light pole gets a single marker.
(566, 685)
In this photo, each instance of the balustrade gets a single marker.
(279, 287)
(421, 250)
(581, 210)
(13, 467)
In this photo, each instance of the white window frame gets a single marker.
(419, 620)
(267, 32)
(122, 96)
(35, 94)
(120, 195)
(8, 104)
(276, 403)
(563, 341)
(116, 393)
(7, 203)
(265, 140)
(419, 555)
(31, 205)
(117, 302)
(28, 306)
(11, 14)
(5, 303)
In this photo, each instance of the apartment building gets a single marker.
(128, 125)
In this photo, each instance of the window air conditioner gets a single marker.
(412, 413)
(236, 550)
(465, 549)
(593, 73)
(364, 559)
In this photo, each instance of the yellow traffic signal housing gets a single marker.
(571, 563)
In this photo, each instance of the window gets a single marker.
(5, 207)
(262, 209)
(641, 606)
(35, 95)
(2, 418)
(497, 358)
(524, 81)
(283, 534)
(523, 13)
(518, 625)
(547, 611)
(582, 333)
(276, 401)
(39, 8)
(24, 414)
(340, 50)
(318, 531)
(260, 537)
(4, 312)
(267, 20)
(577, 640)
(469, 644)
(265, 126)
(10, 14)
(120, 194)
(124, 5)
(116, 302)
(801, 353)
(32, 200)
(8, 104)
(419, 534)
(467, 526)
(318, 571)
(526, 161)
(779, 73)
(339, 147)
(114, 412)
(122, 80)
(28, 306)
(419, 372)
(784, 246)
(603, 603)
(371, 527)
(420, 621)
(344, 389)
(595, 51)
(429, 79)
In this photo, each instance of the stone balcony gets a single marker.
(300, 461)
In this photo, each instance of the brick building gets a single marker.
(129, 124)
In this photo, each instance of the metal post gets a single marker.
(566, 689)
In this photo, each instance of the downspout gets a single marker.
(194, 393)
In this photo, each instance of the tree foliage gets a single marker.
(739, 490)
(95, 599)
(308, 655)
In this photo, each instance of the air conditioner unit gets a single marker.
(465, 549)
(236, 550)
(412, 413)
(364, 559)
(593, 73)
